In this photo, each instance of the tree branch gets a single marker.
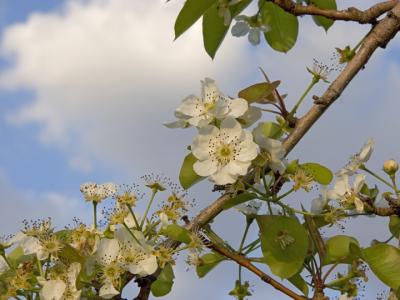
(379, 36)
(244, 262)
(369, 15)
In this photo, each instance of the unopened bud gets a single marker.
(390, 167)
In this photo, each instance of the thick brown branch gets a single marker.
(244, 262)
(379, 36)
(369, 15)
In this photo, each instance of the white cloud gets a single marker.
(17, 205)
(106, 75)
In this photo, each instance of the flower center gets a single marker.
(209, 106)
(225, 154)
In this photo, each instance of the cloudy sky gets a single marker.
(85, 86)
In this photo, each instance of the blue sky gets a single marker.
(86, 85)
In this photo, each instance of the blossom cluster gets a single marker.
(224, 149)
(98, 260)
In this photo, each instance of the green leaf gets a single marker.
(270, 130)
(284, 243)
(324, 4)
(177, 233)
(384, 261)
(299, 283)
(339, 249)
(241, 198)
(214, 29)
(15, 256)
(284, 27)
(187, 176)
(394, 226)
(192, 11)
(70, 254)
(320, 173)
(259, 91)
(163, 285)
(208, 262)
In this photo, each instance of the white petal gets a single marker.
(240, 29)
(223, 177)
(238, 107)
(231, 129)
(358, 183)
(342, 185)
(73, 272)
(148, 266)
(248, 149)
(254, 36)
(317, 205)
(53, 290)
(191, 106)
(366, 151)
(235, 167)
(107, 250)
(201, 143)
(250, 116)
(210, 92)
(359, 205)
(205, 167)
(107, 291)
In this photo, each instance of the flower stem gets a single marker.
(294, 109)
(246, 230)
(148, 208)
(94, 214)
(284, 195)
(133, 216)
(39, 266)
(131, 233)
(364, 168)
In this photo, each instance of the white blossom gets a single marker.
(135, 258)
(275, 153)
(30, 245)
(98, 192)
(223, 153)
(357, 160)
(63, 288)
(212, 105)
(346, 194)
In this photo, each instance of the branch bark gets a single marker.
(379, 36)
(244, 262)
(369, 15)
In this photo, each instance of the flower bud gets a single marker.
(390, 167)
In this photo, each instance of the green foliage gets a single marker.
(384, 261)
(214, 29)
(177, 233)
(258, 92)
(187, 176)
(284, 243)
(299, 283)
(241, 198)
(284, 27)
(271, 130)
(192, 11)
(208, 262)
(340, 249)
(163, 285)
(394, 226)
(70, 254)
(319, 173)
(325, 4)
